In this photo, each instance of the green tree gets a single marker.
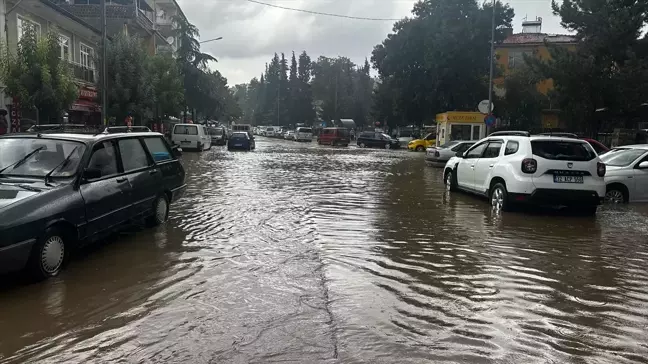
(438, 59)
(130, 88)
(305, 110)
(521, 107)
(37, 75)
(295, 89)
(609, 67)
(167, 85)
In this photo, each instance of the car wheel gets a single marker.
(362, 145)
(387, 146)
(499, 197)
(615, 195)
(451, 181)
(420, 148)
(47, 255)
(160, 212)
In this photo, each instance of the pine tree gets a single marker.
(295, 89)
(306, 111)
(284, 93)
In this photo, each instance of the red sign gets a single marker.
(15, 116)
(87, 93)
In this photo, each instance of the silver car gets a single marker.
(439, 156)
(626, 176)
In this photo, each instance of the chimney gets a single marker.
(532, 26)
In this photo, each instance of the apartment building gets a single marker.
(166, 11)
(79, 41)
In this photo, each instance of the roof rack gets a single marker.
(126, 129)
(560, 135)
(62, 128)
(510, 133)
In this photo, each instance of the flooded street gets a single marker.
(308, 254)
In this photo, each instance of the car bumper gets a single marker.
(554, 197)
(14, 257)
(436, 162)
(178, 193)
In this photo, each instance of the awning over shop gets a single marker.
(85, 106)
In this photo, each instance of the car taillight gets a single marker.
(437, 154)
(529, 165)
(600, 169)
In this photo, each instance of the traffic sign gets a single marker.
(489, 120)
(483, 107)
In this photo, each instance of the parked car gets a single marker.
(191, 136)
(218, 135)
(62, 191)
(439, 156)
(304, 134)
(377, 140)
(239, 140)
(289, 135)
(334, 136)
(627, 174)
(420, 145)
(270, 132)
(514, 167)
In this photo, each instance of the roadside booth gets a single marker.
(459, 125)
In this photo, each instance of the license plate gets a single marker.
(238, 145)
(185, 142)
(568, 179)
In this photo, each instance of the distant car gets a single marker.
(377, 140)
(191, 136)
(304, 134)
(289, 135)
(334, 137)
(218, 135)
(270, 132)
(439, 156)
(239, 140)
(59, 191)
(626, 178)
(420, 145)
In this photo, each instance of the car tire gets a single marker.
(362, 145)
(387, 146)
(499, 197)
(616, 194)
(160, 212)
(420, 148)
(450, 181)
(48, 255)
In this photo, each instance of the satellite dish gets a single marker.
(170, 40)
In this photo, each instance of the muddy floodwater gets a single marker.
(297, 253)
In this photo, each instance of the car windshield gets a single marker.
(46, 155)
(563, 150)
(385, 136)
(622, 157)
(186, 129)
(449, 144)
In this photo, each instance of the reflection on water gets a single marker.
(311, 254)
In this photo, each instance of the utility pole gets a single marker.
(278, 95)
(492, 60)
(335, 110)
(104, 83)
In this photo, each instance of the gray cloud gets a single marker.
(252, 33)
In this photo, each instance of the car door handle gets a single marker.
(491, 166)
(153, 171)
(122, 180)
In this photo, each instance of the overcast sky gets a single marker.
(252, 33)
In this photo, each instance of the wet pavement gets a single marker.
(308, 254)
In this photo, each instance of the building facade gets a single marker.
(531, 42)
(79, 42)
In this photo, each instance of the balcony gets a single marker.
(83, 73)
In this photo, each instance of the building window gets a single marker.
(64, 43)
(87, 55)
(24, 24)
(516, 58)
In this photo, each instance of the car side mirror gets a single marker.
(91, 173)
(643, 165)
(177, 152)
(460, 154)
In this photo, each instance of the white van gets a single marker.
(304, 134)
(191, 136)
(270, 131)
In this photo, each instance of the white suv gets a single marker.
(514, 167)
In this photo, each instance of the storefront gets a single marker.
(86, 109)
(459, 125)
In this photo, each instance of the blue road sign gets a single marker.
(489, 120)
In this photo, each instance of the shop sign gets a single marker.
(86, 93)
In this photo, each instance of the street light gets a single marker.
(210, 40)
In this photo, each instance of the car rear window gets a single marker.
(186, 129)
(562, 150)
(304, 130)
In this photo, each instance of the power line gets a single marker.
(321, 13)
